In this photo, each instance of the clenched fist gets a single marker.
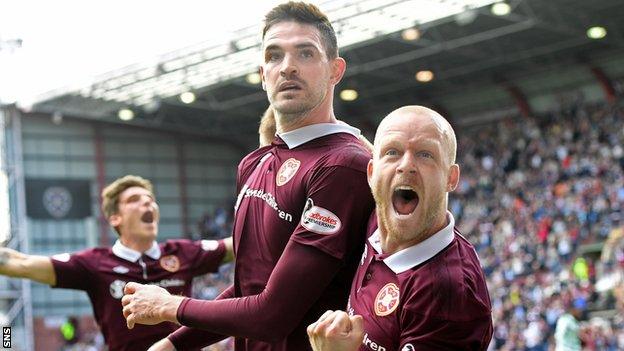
(336, 331)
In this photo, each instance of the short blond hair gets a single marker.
(267, 128)
(110, 194)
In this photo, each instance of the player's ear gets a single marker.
(114, 220)
(338, 65)
(453, 178)
(261, 71)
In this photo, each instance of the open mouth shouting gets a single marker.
(404, 200)
(148, 217)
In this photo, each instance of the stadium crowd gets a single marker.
(537, 196)
(535, 193)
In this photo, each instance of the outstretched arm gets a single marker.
(19, 265)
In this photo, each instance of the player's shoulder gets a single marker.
(447, 269)
(466, 250)
(252, 158)
(90, 256)
(347, 151)
(175, 245)
(447, 283)
(94, 252)
(187, 245)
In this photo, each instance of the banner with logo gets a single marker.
(58, 198)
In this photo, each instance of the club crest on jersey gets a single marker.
(319, 220)
(116, 289)
(387, 300)
(408, 347)
(287, 171)
(170, 263)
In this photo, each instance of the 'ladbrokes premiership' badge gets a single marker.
(319, 220)
(170, 263)
(387, 300)
(287, 171)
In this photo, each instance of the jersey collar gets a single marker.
(128, 254)
(412, 256)
(302, 135)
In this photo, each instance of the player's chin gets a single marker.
(151, 233)
(406, 222)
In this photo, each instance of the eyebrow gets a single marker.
(422, 143)
(298, 46)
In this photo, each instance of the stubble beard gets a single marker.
(292, 113)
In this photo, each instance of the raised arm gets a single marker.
(19, 265)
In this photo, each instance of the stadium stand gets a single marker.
(538, 197)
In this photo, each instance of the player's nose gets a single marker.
(407, 164)
(289, 67)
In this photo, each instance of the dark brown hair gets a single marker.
(304, 13)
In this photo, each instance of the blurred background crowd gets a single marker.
(541, 200)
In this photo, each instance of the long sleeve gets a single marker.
(272, 314)
(186, 338)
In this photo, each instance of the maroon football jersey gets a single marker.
(430, 296)
(103, 273)
(310, 187)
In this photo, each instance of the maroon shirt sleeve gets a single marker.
(73, 270)
(206, 255)
(337, 210)
(186, 338)
(272, 314)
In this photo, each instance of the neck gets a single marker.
(323, 113)
(391, 243)
(136, 244)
